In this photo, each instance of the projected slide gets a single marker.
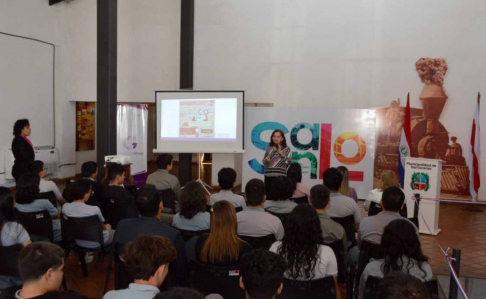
(196, 119)
(199, 119)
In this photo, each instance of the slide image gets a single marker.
(196, 119)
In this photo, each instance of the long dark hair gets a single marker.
(193, 200)
(284, 140)
(27, 188)
(301, 242)
(294, 173)
(400, 239)
(6, 207)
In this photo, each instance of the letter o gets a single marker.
(338, 143)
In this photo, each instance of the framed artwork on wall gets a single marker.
(85, 126)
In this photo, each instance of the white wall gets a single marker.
(148, 48)
(148, 55)
(343, 54)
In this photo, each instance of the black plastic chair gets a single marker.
(169, 199)
(86, 229)
(37, 224)
(260, 242)
(49, 196)
(323, 288)
(299, 200)
(341, 254)
(118, 211)
(367, 252)
(432, 289)
(376, 208)
(188, 234)
(225, 281)
(9, 267)
(371, 287)
(349, 227)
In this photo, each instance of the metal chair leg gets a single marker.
(83, 263)
(108, 273)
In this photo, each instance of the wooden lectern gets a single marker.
(423, 177)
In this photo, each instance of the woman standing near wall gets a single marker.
(277, 158)
(22, 148)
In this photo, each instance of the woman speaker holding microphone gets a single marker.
(277, 158)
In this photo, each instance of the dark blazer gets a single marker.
(129, 229)
(24, 156)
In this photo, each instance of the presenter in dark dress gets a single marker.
(277, 158)
(22, 149)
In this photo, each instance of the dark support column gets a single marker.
(107, 11)
(186, 74)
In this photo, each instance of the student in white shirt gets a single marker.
(253, 221)
(38, 167)
(279, 196)
(226, 180)
(301, 246)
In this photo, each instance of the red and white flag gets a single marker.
(474, 155)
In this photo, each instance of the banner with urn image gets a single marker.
(319, 138)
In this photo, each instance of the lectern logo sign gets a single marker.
(420, 181)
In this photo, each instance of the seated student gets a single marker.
(26, 201)
(162, 179)
(401, 251)
(150, 206)
(147, 259)
(253, 221)
(341, 205)
(345, 189)
(222, 247)
(398, 285)
(294, 173)
(262, 274)
(11, 232)
(302, 249)
(371, 228)
(331, 230)
(79, 193)
(41, 266)
(280, 191)
(44, 185)
(388, 179)
(89, 171)
(226, 180)
(115, 191)
(193, 215)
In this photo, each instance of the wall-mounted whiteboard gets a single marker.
(26, 89)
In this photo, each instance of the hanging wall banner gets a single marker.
(319, 139)
(132, 138)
